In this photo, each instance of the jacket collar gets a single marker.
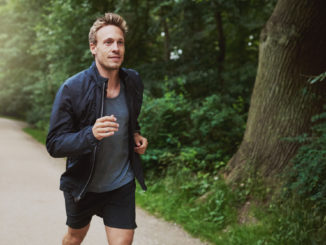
(99, 79)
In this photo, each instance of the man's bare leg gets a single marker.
(75, 236)
(119, 236)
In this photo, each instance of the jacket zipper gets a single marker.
(77, 199)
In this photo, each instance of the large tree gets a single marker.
(292, 49)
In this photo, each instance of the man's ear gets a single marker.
(92, 48)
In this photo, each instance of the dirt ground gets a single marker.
(32, 207)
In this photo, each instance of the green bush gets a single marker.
(197, 134)
(308, 178)
(218, 124)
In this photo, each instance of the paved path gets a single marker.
(32, 207)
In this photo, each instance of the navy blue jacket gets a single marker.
(78, 103)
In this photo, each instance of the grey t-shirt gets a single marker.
(112, 168)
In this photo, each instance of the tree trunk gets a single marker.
(292, 48)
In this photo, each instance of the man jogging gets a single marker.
(94, 124)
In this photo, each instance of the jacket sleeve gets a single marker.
(63, 139)
(139, 96)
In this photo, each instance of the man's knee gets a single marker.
(72, 239)
(119, 236)
(75, 236)
(127, 240)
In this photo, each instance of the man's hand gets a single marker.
(105, 127)
(141, 143)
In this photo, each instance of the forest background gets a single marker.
(198, 61)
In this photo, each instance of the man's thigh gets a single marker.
(80, 214)
(117, 236)
(119, 215)
(119, 208)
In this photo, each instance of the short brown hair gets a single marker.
(107, 19)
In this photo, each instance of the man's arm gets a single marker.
(140, 141)
(63, 140)
(139, 95)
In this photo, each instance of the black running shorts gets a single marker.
(116, 207)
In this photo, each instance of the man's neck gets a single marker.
(112, 75)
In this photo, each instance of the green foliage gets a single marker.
(17, 64)
(58, 38)
(44, 42)
(162, 117)
(218, 122)
(200, 135)
(294, 216)
(308, 177)
(293, 223)
(207, 208)
(203, 205)
(39, 135)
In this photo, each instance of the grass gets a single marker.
(39, 135)
(211, 214)
(209, 209)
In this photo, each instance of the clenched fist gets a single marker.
(141, 143)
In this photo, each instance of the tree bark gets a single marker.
(292, 48)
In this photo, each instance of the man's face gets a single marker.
(110, 47)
